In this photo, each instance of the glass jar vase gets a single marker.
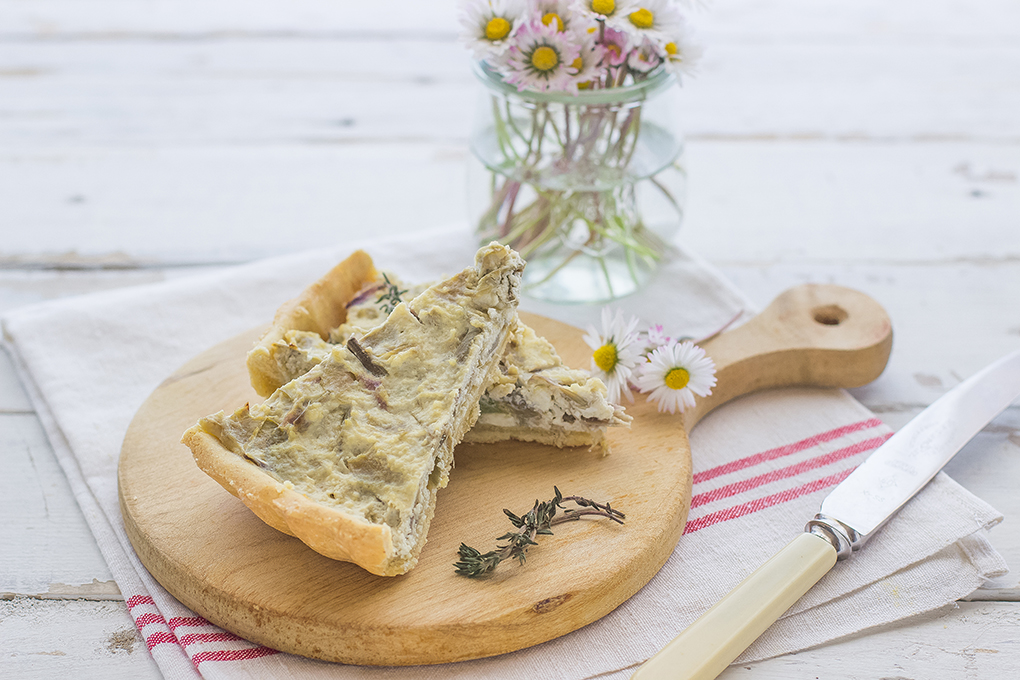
(588, 188)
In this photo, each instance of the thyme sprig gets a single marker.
(536, 522)
(391, 296)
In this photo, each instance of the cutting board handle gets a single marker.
(814, 335)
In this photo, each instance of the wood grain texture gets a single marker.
(216, 557)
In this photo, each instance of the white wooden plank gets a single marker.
(272, 89)
(835, 202)
(56, 555)
(748, 202)
(226, 203)
(41, 640)
(127, 19)
(12, 397)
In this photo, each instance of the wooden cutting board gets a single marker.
(215, 556)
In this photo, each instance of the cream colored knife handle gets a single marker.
(712, 642)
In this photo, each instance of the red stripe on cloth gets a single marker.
(765, 502)
(790, 471)
(197, 638)
(148, 618)
(160, 638)
(136, 600)
(785, 450)
(178, 621)
(232, 655)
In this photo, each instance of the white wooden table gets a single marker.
(870, 144)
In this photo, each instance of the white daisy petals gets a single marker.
(617, 353)
(674, 374)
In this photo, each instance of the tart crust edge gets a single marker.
(319, 308)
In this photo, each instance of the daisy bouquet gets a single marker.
(569, 131)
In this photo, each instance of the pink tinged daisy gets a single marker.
(645, 58)
(616, 45)
(542, 59)
(646, 19)
(674, 374)
(656, 336)
(616, 353)
(489, 25)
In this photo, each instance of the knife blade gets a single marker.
(852, 512)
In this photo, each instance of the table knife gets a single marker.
(853, 512)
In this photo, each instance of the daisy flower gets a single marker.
(644, 58)
(616, 45)
(489, 25)
(681, 52)
(588, 63)
(542, 58)
(616, 354)
(656, 335)
(675, 373)
(553, 11)
(646, 19)
(598, 10)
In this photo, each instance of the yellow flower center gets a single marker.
(606, 7)
(497, 28)
(583, 86)
(677, 378)
(671, 48)
(642, 18)
(545, 58)
(577, 63)
(605, 357)
(615, 49)
(551, 17)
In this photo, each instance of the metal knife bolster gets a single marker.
(845, 539)
(875, 491)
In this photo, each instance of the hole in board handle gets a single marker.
(830, 315)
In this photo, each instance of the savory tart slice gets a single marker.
(533, 397)
(348, 456)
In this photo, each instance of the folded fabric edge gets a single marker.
(981, 553)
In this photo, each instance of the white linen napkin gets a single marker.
(762, 465)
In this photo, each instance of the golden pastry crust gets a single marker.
(327, 531)
(319, 308)
(348, 457)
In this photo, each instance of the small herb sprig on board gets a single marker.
(391, 296)
(536, 522)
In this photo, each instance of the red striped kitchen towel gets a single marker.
(762, 465)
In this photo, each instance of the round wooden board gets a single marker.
(219, 559)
